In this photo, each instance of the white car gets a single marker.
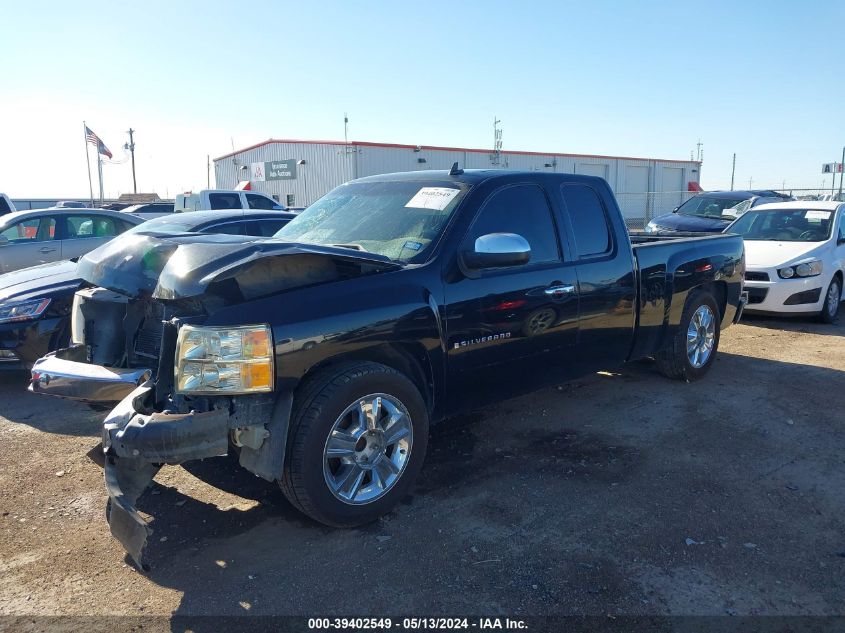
(224, 199)
(794, 257)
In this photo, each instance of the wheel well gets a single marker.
(719, 290)
(411, 360)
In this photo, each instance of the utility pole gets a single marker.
(131, 147)
(733, 172)
(841, 173)
(700, 153)
(208, 171)
(345, 128)
(750, 180)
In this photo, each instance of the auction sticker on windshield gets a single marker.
(436, 198)
(817, 215)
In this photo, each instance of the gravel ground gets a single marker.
(622, 493)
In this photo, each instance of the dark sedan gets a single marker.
(713, 211)
(35, 303)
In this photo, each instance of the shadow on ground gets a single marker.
(806, 325)
(45, 413)
(620, 493)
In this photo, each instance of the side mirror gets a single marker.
(498, 250)
(4, 240)
(841, 240)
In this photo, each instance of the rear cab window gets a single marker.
(262, 203)
(588, 216)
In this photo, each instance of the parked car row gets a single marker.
(712, 212)
(35, 303)
(794, 249)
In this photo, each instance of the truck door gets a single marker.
(606, 281)
(510, 329)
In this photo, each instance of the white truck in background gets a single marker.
(6, 205)
(216, 199)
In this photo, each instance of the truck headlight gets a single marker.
(651, 227)
(224, 360)
(23, 310)
(807, 269)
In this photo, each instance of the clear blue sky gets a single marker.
(762, 79)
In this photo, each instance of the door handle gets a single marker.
(559, 291)
(46, 249)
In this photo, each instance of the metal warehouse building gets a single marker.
(298, 172)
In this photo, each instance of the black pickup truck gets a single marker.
(322, 355)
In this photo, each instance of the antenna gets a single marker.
(346, 128)
(455, 171)
(497, 142)
(699, 152)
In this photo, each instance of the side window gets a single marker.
(264, 228)
(260, 202)
(520, 209)
(32, 230)
(83, 226)
(4, 206)
(224, 201)
(589, 220)
(842, 226)
(228, 228)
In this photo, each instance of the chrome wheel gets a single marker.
(701, 336)
(367, 449)
(834, 295)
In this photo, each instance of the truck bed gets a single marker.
(668, 266)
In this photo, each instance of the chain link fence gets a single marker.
(639, 208)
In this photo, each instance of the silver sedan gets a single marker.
(29, 238)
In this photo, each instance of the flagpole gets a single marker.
(88, 162)
(100, 169)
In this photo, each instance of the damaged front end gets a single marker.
(184, 390)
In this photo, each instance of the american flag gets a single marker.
(95, 140)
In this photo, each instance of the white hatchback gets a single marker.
(794, 257)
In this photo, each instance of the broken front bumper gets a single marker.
(136, 445)
(66, 374)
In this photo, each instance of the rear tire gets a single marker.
(357, 442)
(832, 299)
(692, 350)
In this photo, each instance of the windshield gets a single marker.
(784, 225)
(397, 219)
(707, 206)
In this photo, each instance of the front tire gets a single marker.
(832, 299)
(692, 350)
(358, 438)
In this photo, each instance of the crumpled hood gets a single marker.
(37, 279)
(176, 266)
(692, 223)
(769, 254)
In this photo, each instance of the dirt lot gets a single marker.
(622, 493)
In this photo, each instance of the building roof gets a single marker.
(271, 141)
